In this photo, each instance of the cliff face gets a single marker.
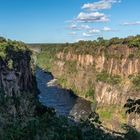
(106, 76)
(17, 83)
(116, 61)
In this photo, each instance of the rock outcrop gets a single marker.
(17, 83)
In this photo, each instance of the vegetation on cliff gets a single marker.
(111, 79)
(78, 59)
(87, 65)
(136, 82)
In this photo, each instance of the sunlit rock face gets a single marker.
(107, 94)
(79, 70)
(115, 61)
(134, 120)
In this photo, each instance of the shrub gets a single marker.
(90, 93)
(131, 56)
(136, 82)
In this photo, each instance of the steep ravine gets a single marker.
(106, 76)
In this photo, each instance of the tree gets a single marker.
(132, 106)
(2, 39)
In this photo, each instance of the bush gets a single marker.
(131, 56)
(134, 43)
(90, 93)
(136, 82)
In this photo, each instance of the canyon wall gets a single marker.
(107, 76)
(17, 83)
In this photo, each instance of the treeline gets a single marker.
(91, 47)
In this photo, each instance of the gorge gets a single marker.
(93, 90)
(104, 72)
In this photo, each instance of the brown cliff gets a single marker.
(104, 75)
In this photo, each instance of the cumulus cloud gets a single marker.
(91, 32)
(107, 29)
(74, 27)
(79, 27)
(131, 23)
(94, 31)
(93, 14)
(87, 35)
(101, 5)
(86, 27)
(92, 17)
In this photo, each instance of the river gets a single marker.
(63, 101)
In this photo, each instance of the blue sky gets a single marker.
(55, 21)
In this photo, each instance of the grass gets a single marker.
(71, 66)
(90, 93)
(107, 113)
(62, 81)
(107, 78)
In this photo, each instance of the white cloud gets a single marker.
(94, 31)
(131, 23)
(107, 29)
(87, 35)
(86, 27)
(100, 5)
(92, 17)
(74, 26)
(91, 32)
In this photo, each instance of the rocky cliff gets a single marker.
(106, 75)
(17, 83)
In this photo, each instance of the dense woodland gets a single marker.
(91, 46)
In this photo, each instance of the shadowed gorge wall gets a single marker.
(17, 83)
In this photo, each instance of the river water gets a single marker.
(63, 101)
